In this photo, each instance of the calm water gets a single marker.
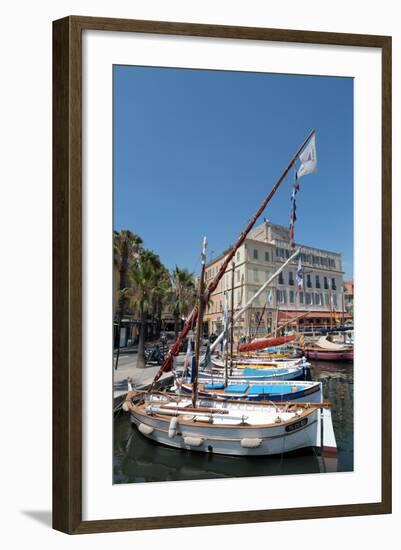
(137, 459)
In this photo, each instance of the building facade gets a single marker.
(349, 296)
(267, 247)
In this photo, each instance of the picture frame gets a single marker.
(67, 273)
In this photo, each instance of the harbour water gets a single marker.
(138, 460)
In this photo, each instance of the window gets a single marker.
(317, 281)
(326, 283)
(281, 296)
(333, 284)
(308, 281)
(280, 278)
(277, 252)
(266, 256)
(238, 256)
(255, 254)
(318, 299)
(291, 297)
(290, 278)
(308, 298)
(255, 275)
(326, 299)
(301, 297)
(335, 300)
(221, 306)
(239, 297)
(287, 254)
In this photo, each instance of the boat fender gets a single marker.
(251, 443)
(277, 419)
(125, 406)
(193, 441)
(172, 429)
(145, 429)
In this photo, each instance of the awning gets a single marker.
(286, 316)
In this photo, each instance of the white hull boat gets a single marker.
(226, 427)
(262, 363)
(296, 392)
(254, 374)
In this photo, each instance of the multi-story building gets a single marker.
(349, 296)
(268, 246)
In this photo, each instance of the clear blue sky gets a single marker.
(196, 152)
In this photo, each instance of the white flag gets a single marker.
(308, 159)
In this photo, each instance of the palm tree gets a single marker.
(184, 294)
(126, 247)
(147, 274)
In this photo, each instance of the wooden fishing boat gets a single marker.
(327, 355)
(222, 426)
(225, 426)
(325, 350)
(257, 391)
(262, 343)
(258, 363)
(251, 374)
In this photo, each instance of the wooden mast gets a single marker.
(225, 342)
(213, 284)
(199, 326)
(232, 318)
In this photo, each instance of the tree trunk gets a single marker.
(141, 362)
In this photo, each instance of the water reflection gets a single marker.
(137, 459)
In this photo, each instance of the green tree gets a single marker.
(127, 246)
(183, 294)
(147, 274)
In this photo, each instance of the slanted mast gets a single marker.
(213, 284)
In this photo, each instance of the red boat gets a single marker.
(262, 343)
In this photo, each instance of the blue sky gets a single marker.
(196, 152)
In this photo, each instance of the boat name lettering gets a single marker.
(296, 425)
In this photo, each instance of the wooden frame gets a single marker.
(67, 277)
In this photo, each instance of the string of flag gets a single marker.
(308, 160)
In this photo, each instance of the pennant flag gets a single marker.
(308, 158)
(299, 275)
(308, 162)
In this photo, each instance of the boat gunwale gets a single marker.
(138, 408)
(312, 388)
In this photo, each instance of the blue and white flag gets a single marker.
(308, 158)
(299, 275)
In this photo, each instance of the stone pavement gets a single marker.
(140, 377)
